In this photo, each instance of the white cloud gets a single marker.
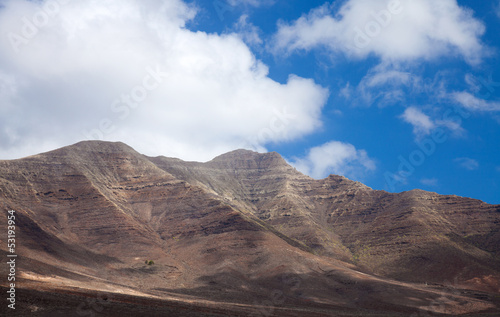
(334, 157)
(388, 77)
(389, 84)
(346, 92)
(385, 85)
(474, 84)
(248, 32)
(467, 163)
(473, 103)
(206, 93)
(255, 3)
(431, 182)
(394, 30)
(422, 123)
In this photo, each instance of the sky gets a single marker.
(396, 94)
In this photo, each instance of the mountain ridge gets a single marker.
(241, 226)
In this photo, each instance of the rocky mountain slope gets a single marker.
(414, 236)
(244, 234)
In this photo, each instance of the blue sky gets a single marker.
(396, 94)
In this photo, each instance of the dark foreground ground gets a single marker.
(78, 303)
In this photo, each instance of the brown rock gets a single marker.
(243, 228)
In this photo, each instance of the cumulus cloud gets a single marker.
(471, 102)
(393, 30)
(334, 157)
(130, 71)
(467, 163)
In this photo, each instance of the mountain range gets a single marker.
(102, 230)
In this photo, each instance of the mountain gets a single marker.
(244, 234)
(394, 235)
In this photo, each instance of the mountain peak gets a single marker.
(91, 146)
(105, 146)
(239, 153)
(250, 159)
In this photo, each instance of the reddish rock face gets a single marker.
(245, 228)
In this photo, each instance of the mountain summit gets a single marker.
(242, 234)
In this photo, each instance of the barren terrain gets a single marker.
(104, 230)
